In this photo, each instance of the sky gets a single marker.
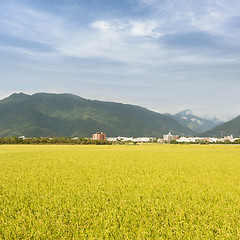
(165, 55)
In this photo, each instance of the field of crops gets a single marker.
(120, 192)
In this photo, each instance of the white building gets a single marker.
(169, 137)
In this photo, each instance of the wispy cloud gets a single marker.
(130, 28)
(116, 36)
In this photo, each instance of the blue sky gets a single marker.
(166, 55)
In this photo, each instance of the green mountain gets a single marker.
(57, 115)
(197, 124)
(226, 129)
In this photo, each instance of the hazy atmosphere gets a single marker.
(165, 55)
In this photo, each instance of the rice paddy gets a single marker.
(120, 192)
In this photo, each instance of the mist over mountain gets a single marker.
(54, 115)
(195, 123)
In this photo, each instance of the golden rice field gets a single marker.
(120, 192)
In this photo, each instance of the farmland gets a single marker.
(120, 192)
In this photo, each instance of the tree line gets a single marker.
(55, 140)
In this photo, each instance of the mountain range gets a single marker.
(56, 115)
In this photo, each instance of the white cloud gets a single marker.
(144, 29)
(129, 28)
(103, 26)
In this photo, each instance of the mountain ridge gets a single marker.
(228, 128)
(197, 124)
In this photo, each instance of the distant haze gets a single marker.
(165, 55)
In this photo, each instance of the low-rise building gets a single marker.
(169, 137)
(131, 139)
